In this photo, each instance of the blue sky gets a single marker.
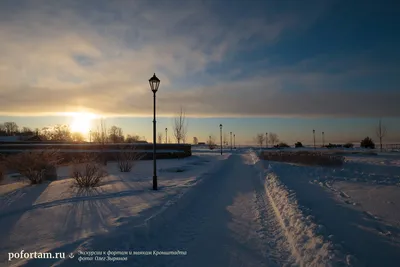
(255, 66)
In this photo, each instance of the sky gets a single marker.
(254, 66)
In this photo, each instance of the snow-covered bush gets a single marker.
(126, 159)
(34, 165)
(88, 174)
(303, 157)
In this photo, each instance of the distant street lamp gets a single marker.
(266, 140)
(154, 83)
(314, 138)
(231, 141)
(166, 135)
(234, 141)
(220, 134)
(323, 139)
(90, 136)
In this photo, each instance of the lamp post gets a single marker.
(90, 136)
(323, 139)
(234, 141)
(266, 140)
(166, 135)
(220, 134)
(154, 83)
(314, 138)
(231, 141)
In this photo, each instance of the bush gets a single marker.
(348, 145)
(126, 159)
(211, 145)
(298, 144)
(34, 165)
(2, 172)
(333, 146)
(367, 143)
(88, 174)
(283, 144)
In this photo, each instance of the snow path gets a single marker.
(229, 222)
(356, 230)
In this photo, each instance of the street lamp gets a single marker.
(231, 141)
(266, 140)
(220, 134)
(234, 141)
(166, 135)
(154, 83)
(314, 138)
(323, 139)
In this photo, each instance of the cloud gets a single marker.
(60, 56)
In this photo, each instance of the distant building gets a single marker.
(19, 138)
(140, 142)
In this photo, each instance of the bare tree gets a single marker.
(116, 134)
(60, 132)
(2, 130)
(160, 137)
(100, 136)
(45, 133)
(132, 138)
(225, 139)
(77, 137)
(195, 140)
(211, 142)
(260, 138)
(10, 127)
(180, 127)
(273, 138)
(26, 130)
(380, 132)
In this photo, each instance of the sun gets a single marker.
(81, 122)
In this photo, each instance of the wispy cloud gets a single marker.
(60, 56)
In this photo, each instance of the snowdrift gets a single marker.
(309, 242)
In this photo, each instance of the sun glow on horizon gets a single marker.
(82, 122)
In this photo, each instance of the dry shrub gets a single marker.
(304, 157)
(34, 164)
(212, 146)
(86, 170)
(2, 172)
(126, 159)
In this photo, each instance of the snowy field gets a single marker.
(357, 205)
(52, 215)
(212, 210)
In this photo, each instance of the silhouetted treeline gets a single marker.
(63, 133)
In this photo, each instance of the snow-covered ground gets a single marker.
(357, 204)
(211, 210)
(48, 216)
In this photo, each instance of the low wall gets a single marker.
(68, 150)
